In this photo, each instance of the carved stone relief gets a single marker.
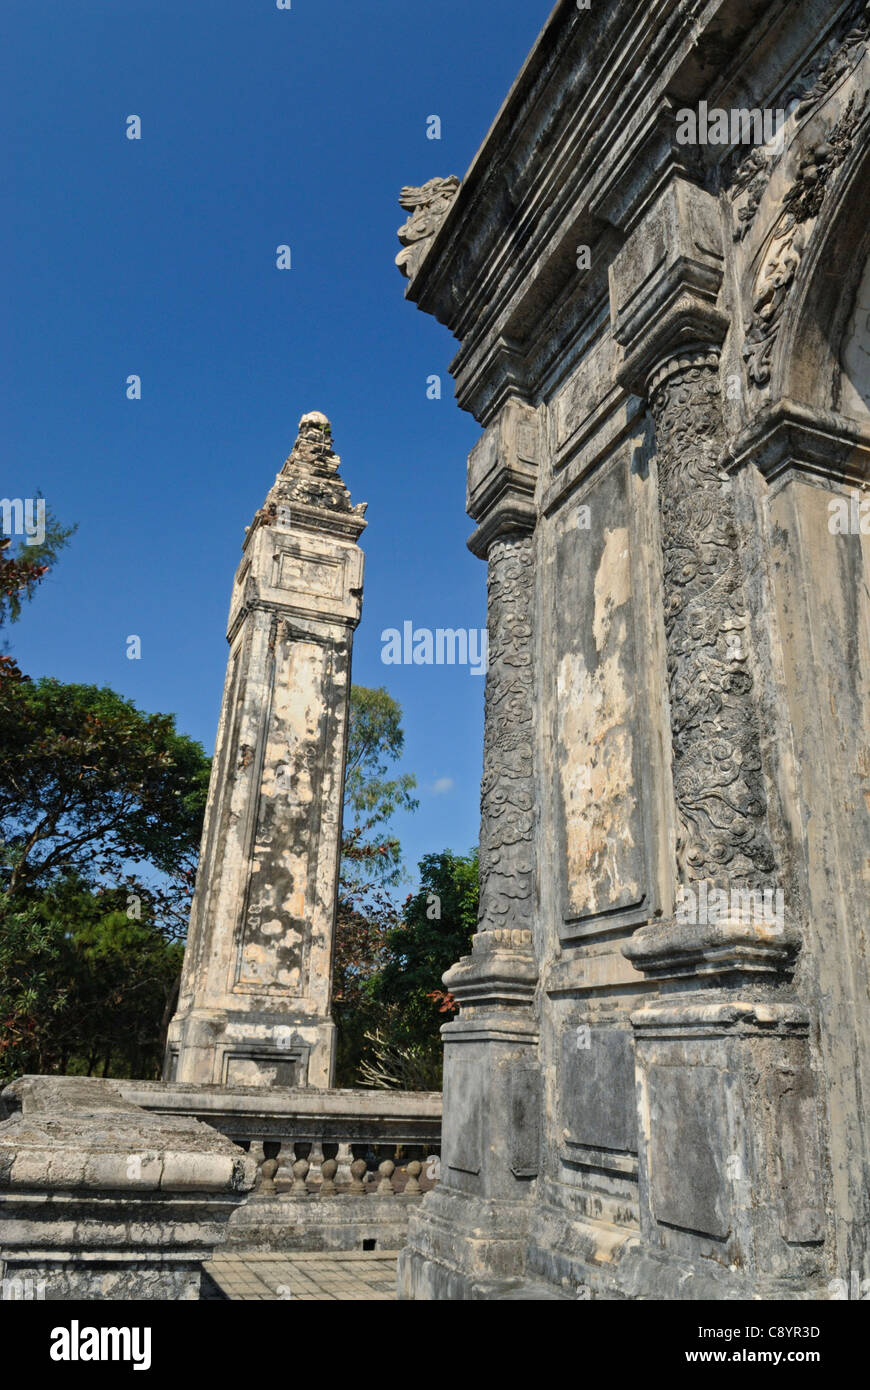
(507, 791)
(428, 207)
(789, 237)
(718, 784)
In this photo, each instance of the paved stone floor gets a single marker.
(324, 1276)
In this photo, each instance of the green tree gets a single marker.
(101, 811)
(371, 864)
(86, 982)
(370, 854)
(22, 569)
(436, 928)
(89, 784)
(33, 986)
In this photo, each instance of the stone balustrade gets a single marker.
(291, 1124)
(331, 1170)
(291, 1172)
(318, 1154)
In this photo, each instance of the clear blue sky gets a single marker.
(260, 127)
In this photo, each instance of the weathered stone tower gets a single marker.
(255, 991)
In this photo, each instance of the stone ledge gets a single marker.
(99, 1199)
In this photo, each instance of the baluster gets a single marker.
(284, 1175)
(412, 1186)
(255, 1151)
(266, 1184)
(344, 1158)
(316, 1160)
(300, 1172)
(328, 1170)
(386, 1170)
(358, 1170)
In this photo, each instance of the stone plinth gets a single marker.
(254, 1006)
(99, 1200)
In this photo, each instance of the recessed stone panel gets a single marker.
(463, 1142)
(687, 1158)
(309, 572)
(597, 733)
(596, 1084)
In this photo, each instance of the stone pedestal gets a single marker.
(99, 1200)
(254, 1006)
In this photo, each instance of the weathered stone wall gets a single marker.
(653, 1089)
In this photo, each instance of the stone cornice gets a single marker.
(554, 173)
(503, 974)
(791, 437)
(503, 476)
(666, 950)
(665, 282)
(512, 516)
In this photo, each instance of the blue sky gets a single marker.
(260, 127)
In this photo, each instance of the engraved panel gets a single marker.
(309, 573)
(265, 1068)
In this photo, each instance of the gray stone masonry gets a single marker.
(100, 1200)
(657, 269)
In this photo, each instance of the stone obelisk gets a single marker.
(254, 1005)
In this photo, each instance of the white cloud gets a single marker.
(442, 786)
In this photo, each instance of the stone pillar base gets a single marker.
(463, 1248)
(597, 1261)
(220, 1048)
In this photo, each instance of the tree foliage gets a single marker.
(90, 784)
(435, 930)
(101, 811)
(22, 569)
(370, 853)
(86, 984)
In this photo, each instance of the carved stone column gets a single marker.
(723, 838)
(490, 1066)
(490, 1140)
(729, 1161)
(507, 792)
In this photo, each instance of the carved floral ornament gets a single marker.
(788, 240)
(817, 166)
(507, 792)
(718, 782)
(837, 61)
